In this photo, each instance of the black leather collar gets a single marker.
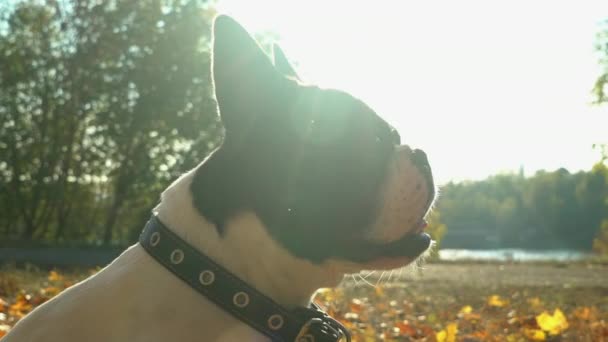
(234, 295)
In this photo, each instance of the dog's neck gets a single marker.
(245, 249)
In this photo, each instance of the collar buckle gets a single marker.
(320, 327)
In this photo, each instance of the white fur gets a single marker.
(136, 299)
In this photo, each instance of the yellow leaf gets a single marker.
(534, 302)
(466, 309)
(535, 334)
(452, 330)
(448, 334)
(554, 324)
(370, 334)
(496, 301)
(50, 291)
(512, 338)
(441, 336)
(55, 276)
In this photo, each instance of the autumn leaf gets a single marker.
(441, 336)
(4, 329)
(50, 291)
(554, 324)
(496, 301)
(584, 313)
(466, 309)
(3, 304)
(405, 329)
(55, 276)
(448, 334)
(356, 306)
(535, 334)
(535, 302)
(20, 308)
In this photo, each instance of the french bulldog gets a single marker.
(309, 184)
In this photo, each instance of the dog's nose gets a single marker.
(419, 159)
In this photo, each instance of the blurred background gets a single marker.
(104, 103)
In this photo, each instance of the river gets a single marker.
(512, 255)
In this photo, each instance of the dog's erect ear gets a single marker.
(242, 72)
(282, 64)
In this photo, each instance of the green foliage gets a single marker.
(600, 243)
(437, 230)
(549, 210)
(600, 88)
(99, 103)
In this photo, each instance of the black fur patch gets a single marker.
(308, 161)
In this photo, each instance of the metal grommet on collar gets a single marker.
(275, 322)
(301, 324)
(154, 239)
(206, 277)
(240, 299)
(177, 256)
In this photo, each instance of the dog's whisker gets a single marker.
(380, 279)
(400, 275)
(389, 276)
(354, 279)
(365, 280)
(369, 274)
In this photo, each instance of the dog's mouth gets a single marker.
(408, 247)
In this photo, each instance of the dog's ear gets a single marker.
(282, 63)
(242, 73)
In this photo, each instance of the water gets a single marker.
(512, 255)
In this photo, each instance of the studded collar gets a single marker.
(232, 294)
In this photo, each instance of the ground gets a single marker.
(465, 301)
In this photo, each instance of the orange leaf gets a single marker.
(405, 329)
(4, 329)
(482, 335)
(584, 313)
(356, 305)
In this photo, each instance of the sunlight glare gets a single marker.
(483, 87)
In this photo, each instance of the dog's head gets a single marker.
(327, 177)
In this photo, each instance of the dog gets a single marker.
(309, 184)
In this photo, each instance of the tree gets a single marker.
(549, 210)
(600, 243)
(102, 103)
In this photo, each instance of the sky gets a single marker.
(484, 87)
